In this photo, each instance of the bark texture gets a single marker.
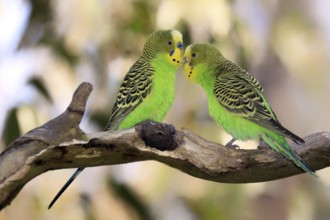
(60, 143)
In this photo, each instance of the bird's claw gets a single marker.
(233, 146)
(262, 145)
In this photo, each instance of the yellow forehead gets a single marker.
(176, 35)
(187, 52)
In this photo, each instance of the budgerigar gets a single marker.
(236, 101)
(148, 89)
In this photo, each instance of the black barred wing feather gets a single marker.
(251, 80)
(241, 95)
(134, 89)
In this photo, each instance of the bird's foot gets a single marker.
(262, 145)
(231, 144)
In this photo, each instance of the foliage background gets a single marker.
(48, 47)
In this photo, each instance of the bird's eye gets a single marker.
(169, 43)
(193, 55)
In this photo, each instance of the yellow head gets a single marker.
(165, 41)
(176, 56)
(188, 67)
(198, 59)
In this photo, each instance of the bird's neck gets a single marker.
(206, 79)
(163, 65)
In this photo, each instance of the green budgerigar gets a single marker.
(236, 101)
(148, 89)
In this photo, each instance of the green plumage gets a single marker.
(147, 91)
(236, 101)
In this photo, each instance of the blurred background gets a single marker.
(47, 48)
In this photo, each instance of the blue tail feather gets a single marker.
(66, 185)
(285, 150)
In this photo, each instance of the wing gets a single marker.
(135, 87)
(241, 95)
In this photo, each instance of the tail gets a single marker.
(66, 185)
(280, 145)
(73, 177)
(294, 137)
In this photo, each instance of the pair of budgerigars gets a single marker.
(235, 98)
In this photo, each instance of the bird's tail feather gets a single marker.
(294, 137)
(66, 185)
(282, 147)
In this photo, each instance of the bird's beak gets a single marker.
(185, 60)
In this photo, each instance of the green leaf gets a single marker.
(57, 45)
(11, 128)
(100, 118)
(38, 84)
(128, 196)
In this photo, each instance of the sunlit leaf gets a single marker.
(142, 21)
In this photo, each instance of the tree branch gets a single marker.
(60, 143)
